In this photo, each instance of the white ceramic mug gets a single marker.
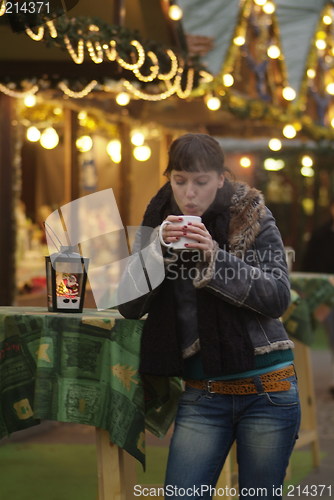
(179, 245)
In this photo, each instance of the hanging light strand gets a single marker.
(173, 69)
(77, 95)
(149, 97)
(36, 36)
(154, 69)
(78, 57)
(140, 60)
(16, 93)
(2, 8)
(95, 51)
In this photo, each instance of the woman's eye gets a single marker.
(202, 183)
(179, 183)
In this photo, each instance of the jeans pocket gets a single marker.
(191, 396)
(285, 398)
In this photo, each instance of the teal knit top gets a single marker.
(263, 363)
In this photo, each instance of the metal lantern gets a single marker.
(66, 276)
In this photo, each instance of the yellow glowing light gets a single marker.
(213, 103)
(332, 122)
(123, 99)
(137, 138)
(114, 150)
(142, 153)
(84, 143)
(274, 52)
(228, 80)
(307, 161)
(311, 73)
(260, 2)
(275, 144)
(289, 131)
(239, 40)
(82, 115)
(269, 8)
(30, 100)
(330, 88)
(307, 171)
(327, 20)
(245, 162)
(320, 44)
(2, 8)
(175, 12)
(33, 134)
(308, 204)
(273, 165)
(49, 138)
(289, 93)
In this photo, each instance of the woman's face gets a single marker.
(195, 191)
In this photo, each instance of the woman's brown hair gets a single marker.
(195, 152)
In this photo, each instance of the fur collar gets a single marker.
(247, 208)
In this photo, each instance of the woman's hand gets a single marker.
(172, 232)
(202, 239)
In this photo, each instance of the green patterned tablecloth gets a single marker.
(80, 368)
(309, 291)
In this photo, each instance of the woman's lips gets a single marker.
(190, 208)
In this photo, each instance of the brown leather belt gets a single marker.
(271, 382)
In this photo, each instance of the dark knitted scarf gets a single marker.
(225, 344)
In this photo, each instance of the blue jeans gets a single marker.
(264, 425)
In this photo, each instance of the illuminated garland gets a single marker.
(140, 62)
(316, 78)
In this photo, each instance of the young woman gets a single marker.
(214, 321)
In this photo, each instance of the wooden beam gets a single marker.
(7, 204)
(71, 163)
(125, 174)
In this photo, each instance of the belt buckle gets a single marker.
(208, 387)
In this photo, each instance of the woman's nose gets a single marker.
(190, 191)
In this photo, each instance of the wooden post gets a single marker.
(7, 203)
(71, 164)
(110, 476)
(125, 174)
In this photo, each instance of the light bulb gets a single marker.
(84, 143)
(213, 103)
(307, 171)
(330, 88)
(114, 150)
(30, 100)
(321, 44)
(275, 144)
(307, 161)
(123, 99)
(245, 162)
(137, 138)
(273, 52)
(33, 134)
(239, 41)
(289, 131)
(175, 12)
(311, 73)
(49, 138)
(327, 20)
(289, 93)
(273, 165)
(142, 153)
(269, 8)
(228, 80)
